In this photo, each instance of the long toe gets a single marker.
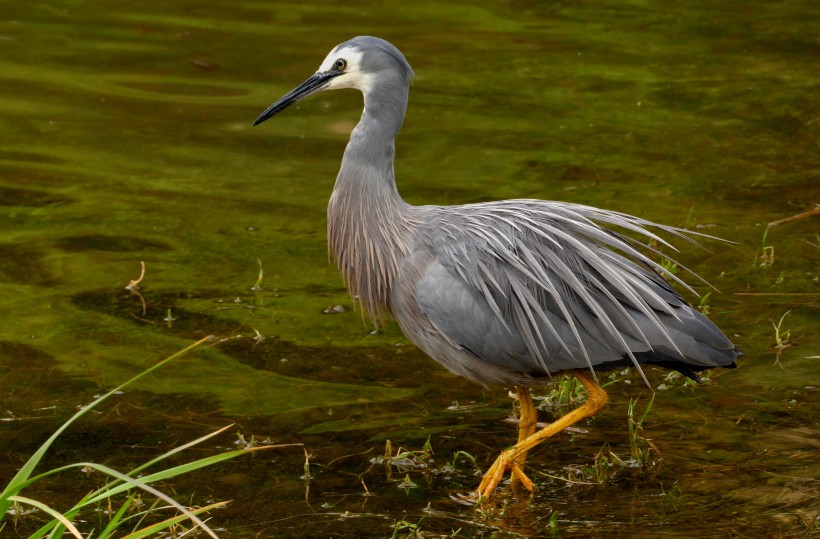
(520, 479)
(494, 475)
(492, 478)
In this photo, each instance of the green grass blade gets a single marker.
(165, 524)
(169, 473)
(648, 409)
(179, 449)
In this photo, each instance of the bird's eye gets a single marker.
(340, 64)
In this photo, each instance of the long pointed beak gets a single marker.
(315, 83)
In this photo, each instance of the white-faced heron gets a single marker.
(508, 292)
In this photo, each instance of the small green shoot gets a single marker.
(552, 523)
(405, 459)
(703, 306)
(640, 447)
(669, 266)
(412, 531)
(242, 442)
(606, 463)
(781, 337)
(674, 495)
(306, 467)
(764, 256)
(604, 466)
(427, 450)
(407, 484)
(599, 471)
(258, 285)
(466, 455)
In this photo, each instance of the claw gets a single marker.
(494, 475)
(525, 481)
(491, 479)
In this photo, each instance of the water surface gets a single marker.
(125, 136)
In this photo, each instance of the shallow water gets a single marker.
(125, 137)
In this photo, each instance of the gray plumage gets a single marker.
(499, 292)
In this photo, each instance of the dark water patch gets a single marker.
(160, 310)
(20, 354)
(782, 192)
(135, 426)
(321, 289)
(21, 264)
(20, 363)
(385, 366)
(349, 365)
(13, 196)
(119, 244)
(37, 398)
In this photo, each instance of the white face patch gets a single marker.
(353, 77)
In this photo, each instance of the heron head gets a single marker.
(356, 63)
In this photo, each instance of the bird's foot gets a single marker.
(505, 461)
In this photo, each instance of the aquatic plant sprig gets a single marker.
(133, 286)
(640, 446)
(781, 336)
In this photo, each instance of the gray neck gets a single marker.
(367, 229)
(372, 141)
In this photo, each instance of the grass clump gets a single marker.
(124, 491)
(566, 393)
(607, 463)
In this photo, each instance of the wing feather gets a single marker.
(567, 289)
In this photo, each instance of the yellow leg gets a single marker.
(527, 421)
(509, 459)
